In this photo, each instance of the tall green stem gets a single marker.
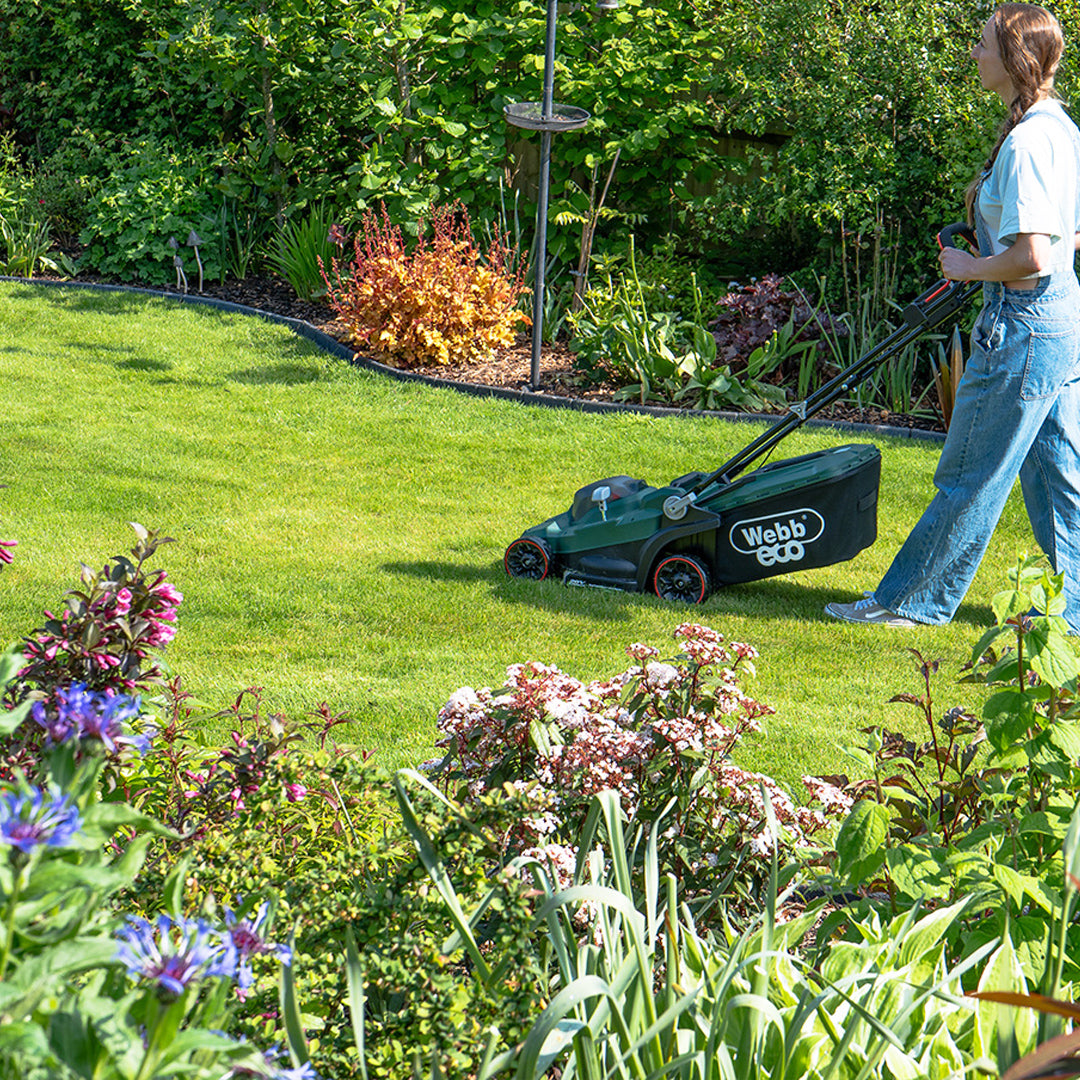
(9, 925)
(149, 1061)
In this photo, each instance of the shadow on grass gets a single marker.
(97, 347)
(277, 374)
(142, 363)
(775, 596)
(543, 595)
(101, 302)
(770, 598)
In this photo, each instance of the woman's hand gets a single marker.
(958, 265)
(1027, 257)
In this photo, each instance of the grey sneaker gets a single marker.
(869, 611)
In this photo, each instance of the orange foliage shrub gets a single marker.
(443, 303)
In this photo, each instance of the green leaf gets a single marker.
(1012, 1030)
(10, 719)
(858, 754)
(1013, 883)
(1050, 600)
(1045, 823)
(928, 932)
(24, 1041)
(989, 639)
(860, 841)
(1009, 604)
(1051, 655)
(1009, 715)
(357, 998)
(918, 872)
(290, 1012)
(1065, 735)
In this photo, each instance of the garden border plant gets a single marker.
(594, 957)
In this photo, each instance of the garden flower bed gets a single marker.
(597, 886)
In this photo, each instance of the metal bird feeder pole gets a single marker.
(546, 117)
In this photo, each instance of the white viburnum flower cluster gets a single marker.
(643, 733)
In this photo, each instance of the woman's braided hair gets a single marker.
(1031, 43)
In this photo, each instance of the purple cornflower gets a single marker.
(26, 822)
(248, 942)
(79, 713)
(106, 724)
(175, 954)
(5, 550)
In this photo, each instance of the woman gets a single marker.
(1017, 408)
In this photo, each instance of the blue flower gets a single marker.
(301, 1072)
(79, 713)
(27, 822)
(175, 954)
(280, 1072)
(246, 937)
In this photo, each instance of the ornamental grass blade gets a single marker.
(557, 1024)
(612, 811)
(586, 1056)
(666, 1019)
(487, 1068)
(435, 869)
(290, 1012)
(357, 998)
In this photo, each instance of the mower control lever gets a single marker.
(601, 496)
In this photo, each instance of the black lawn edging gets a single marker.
(524, 397)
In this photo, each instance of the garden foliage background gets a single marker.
(460, 924)
(767, 131)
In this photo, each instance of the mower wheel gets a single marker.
(528, 558)
(682, 578)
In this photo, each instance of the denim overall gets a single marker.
(1017, 412)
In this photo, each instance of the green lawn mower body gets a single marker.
(728, 526)
(796, 514)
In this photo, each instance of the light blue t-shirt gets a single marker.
(1034, 186)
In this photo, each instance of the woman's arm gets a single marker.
(1028, 256)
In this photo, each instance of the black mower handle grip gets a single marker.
(947, 236)
(943, 300)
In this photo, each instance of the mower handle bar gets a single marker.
(929, 310)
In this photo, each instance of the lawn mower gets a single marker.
(705, 530)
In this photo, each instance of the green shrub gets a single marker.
(978, 810)
(653, 355)
(16, 180)
(154, 192)
(862, 119)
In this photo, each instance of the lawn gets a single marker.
(340, 535)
